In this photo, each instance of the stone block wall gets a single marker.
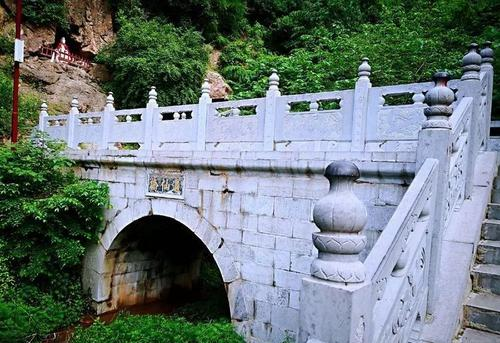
(263, 216)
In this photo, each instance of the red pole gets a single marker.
(15, 92)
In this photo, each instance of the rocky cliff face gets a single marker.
(90, 26)
(59, 82)
(91, 23)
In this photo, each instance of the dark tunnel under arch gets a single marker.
(157, 264)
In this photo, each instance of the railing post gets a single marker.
(434, 141)
(336, 301)
(360, 107)
(272, 94)
(43, 114)
(204, 101)
(472, 88)
(107, 120)
(72, 123)
(487, 56)
(148, 120)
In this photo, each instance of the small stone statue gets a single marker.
(61, 53)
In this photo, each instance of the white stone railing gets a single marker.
(366, 118)
(398, 264)
(387, 297)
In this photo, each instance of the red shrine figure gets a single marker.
(61, 53)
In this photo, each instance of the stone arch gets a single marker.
(96, 276)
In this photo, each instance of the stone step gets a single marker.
(476, 336)
(495, 195)
(493, 211)
(486, 277)
(491, 230)
(482, 312)
(488, 252)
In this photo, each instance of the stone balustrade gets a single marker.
(374, 277)
(366, 118)
(388, 296)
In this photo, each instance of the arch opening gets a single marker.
(158, 265)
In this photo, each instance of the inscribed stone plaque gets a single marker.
(166, 185)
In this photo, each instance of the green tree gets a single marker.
(47, 217)
(46, 12)
(28, 107)
(152, 52)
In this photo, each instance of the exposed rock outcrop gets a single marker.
(219, 89)
(60, 82)
(92, 24)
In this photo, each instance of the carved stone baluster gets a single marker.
(201, 115)
(470, 86)
(313, 106)
(434, 141)
(439, 98)
(274, 81)
(43, 114)
(487, 56)
(418, 98)
(183, 115)
(340, 216)
(235, 111)
(177, 116)
(335, 301)
(152, 96)
(128, 118)
(471, 63)
(107, 120)
(360, 107)
(272, 95)
(72, 123)
(110, 102)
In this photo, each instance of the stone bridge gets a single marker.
(243, 182)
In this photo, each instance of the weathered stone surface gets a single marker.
(94, 24)
(482, 312)
(36, 37)
(219, 89)
(60, 82)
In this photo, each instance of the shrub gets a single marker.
(213, 18)
(156, 329)
(152, 52)
(407, 45)
(46, 12)
(28, 108)
(47, 217)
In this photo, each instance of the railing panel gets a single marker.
(127, 126)
(396, 112)
(175, 124)
(88, 128)
(398, 262)
(403, 295)
(314, 116)
(56, 126)
(236, 121)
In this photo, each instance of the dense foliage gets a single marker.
(46, 12)
(152, 52)
(28, 107)
(157, 329)
(316, 45)
(405, 41)
(47, 217)
(213, 18)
